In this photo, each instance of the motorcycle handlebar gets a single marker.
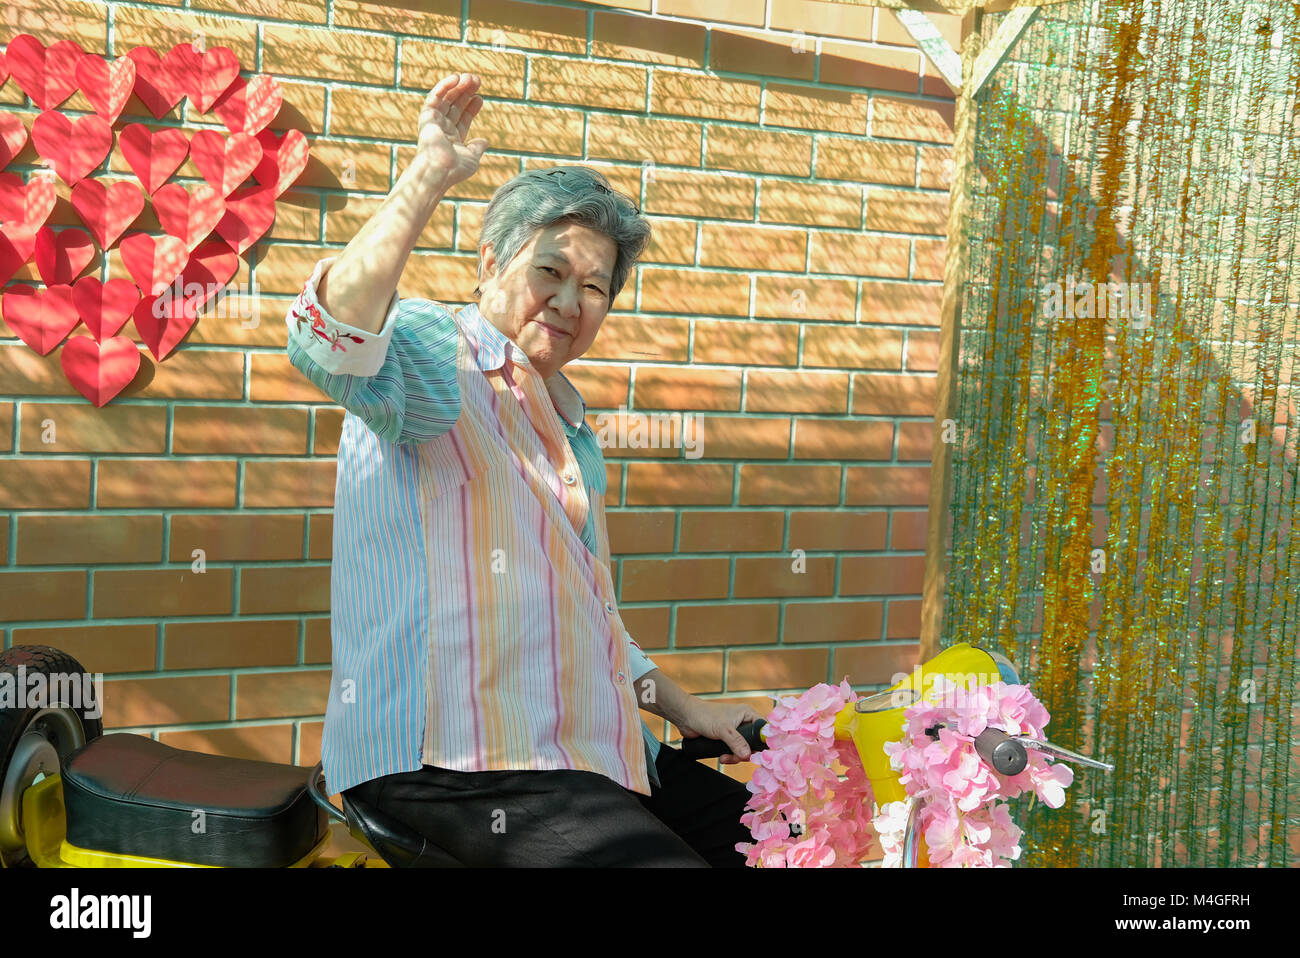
(701, 747)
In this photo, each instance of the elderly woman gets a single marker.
(485, 693)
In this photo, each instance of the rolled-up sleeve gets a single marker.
(640, 662)
(401, 381)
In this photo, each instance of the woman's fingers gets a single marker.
(471, 111)
(451, 102)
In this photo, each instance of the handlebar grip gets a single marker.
(1001, 751)
(701, 747)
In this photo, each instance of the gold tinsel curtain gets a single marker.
(1124, 464)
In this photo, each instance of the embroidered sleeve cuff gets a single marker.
(337, 347)
(639, 661)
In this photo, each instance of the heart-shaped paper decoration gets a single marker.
(106, 85)
(249, 105)
(190, 217)
(153, 262)
(104, 307)
(163, 321)
(17, 243)
(100, 371)
(211, 265)
(283, 159)
(153, 155)
(159, 81)
(13, 137)
(73, 147)
(225, 161)
(28, 205)
(207, 75)
(42, 318)
(48, 76)
(61, 257)
(250, 213)
(4, 68)
(107, 209)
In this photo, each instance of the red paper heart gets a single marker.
(207, 74)
(48, 76)
(283, 159)
(153, 262)
(16, 246)
(60, 257)
(159, 81)
(28, 205)
(100, 371)
(211, 264)
(249, 105)
(225, 161)
(4, 68)
(163, 321)
(42, 318)
(250, 213)
(13, 136)
(107, 209)
(104, 307)
(190, 217)
(73, 147)
(106, 85)
(153, 155)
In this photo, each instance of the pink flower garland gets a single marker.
(802, 815)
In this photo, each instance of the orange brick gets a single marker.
(908, 529)
(239, 429)
(888, 485)
(915, 440)
(647, 580)
(42, 595)
(743, 437)
(424, 63)
(613, 483)
(189, 374)
(515, 24)
(23, 372)
(141, 592)
(789, 485)
(269, 483)
(320, 536)
(810, 204)
(860, 254)
(824, 19)
(329, 430)
(618, 36)
(930, 258)
(796, 391)
(731, 531)
(166, 483)
(805, 298)
(46, 484)
(660, 484)
(163, 29)
(696, 672)
(870, 68)
(904, 619)
(631, 532)
(907, 211)
(317, 647)
(878, 664)
(236, 538)
(684, 94)
(882, 575)
(875, 394)
(902, 119)
(345, 216)
(740, 247)
(648, 625)
(838, 439)
(936, 167)
(815, 108)
(777, 576)
(736, 51)
(277, 694)
(759, 151)
(731, 624)
(852, 158)
(74, 427)
(4, 536)
(698, 292)
(641, 139)
(776, 669)
(852, 531)
(6, 426)
(602, 86)
(629, 337)
(662, 387)
(329, 54)
(713, 195)
(748, 12)
(85, 540)
(922, 353)
(603, 387)
(284, 589)
(259, 743)
(746, 343)
(832, 621)
(852, 347)
(901, 303)
(100, 648)
(274, 379)
(429, 18)
(174, 700)
(228, 645)
(672, 241)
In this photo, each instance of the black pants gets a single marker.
(568, 818)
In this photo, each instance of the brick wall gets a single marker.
(790, 299)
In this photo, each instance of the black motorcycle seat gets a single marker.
(130, 795)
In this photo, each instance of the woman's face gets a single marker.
(552, 297)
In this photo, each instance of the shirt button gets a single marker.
(570, 478)
(621, 678)
(609, 607)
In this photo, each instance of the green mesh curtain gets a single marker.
(1123, 477)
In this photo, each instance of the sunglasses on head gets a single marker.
(604, 189)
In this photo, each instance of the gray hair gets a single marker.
(537, 199)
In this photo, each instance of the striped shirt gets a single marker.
(472, 608)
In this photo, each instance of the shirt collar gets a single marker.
(492, 348)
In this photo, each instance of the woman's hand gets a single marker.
(444, 123)
(718, 719)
